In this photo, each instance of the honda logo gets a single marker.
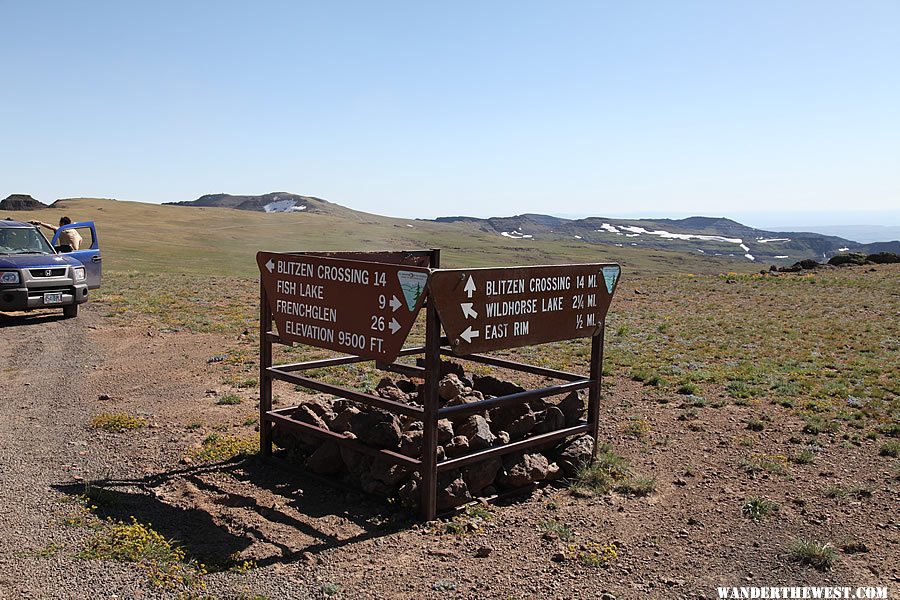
(48, 273)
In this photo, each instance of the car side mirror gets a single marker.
(63, 248)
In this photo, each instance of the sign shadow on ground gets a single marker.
(196, 525)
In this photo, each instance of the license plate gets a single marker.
(54, 298)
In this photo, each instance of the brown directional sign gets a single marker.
(359, 307)
(493, 309)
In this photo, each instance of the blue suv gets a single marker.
(36, 274)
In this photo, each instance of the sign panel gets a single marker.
(358, 307)
(492, 309)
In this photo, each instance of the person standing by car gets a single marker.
(69, 237)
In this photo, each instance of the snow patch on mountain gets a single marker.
(281, 206)
(516, 234)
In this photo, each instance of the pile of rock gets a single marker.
(456, 437)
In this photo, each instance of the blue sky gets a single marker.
(780, 109)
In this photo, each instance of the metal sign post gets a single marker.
(364, 305)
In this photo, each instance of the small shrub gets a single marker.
(330, 589)
(812, 553)
(637, 427)
(655, 380)
(805, 456)
(890, 430)
(891, 448)
(688, 415)
(50, 550)
(248, 383)
(479, 511)
(776, 465)
(165, 562)
(739, 389)
(757, 508)
(816, 425)
(593, 554)
(117, 422)
(457, 526)
(601, 475)
(755, 424)
(688, 388)
(215, 448)
(561, 530)
(637, 486)
(443, 585)
(244, 566)
(228, 399)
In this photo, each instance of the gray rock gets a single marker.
(481, 475)
(491, 386)
(444, 431)
(450, 387)
(478, 432)
(408, 387)
(413, 425)
(284, 437)
(411, 443)
(467, 398)
(387, 389)
(503, 437)
(305, 414)
(356, 462)
(370, 485)
(523, 469)
(551, 420)
(320, 407)
(409, 492)
(521, 426)
(326, 460)
(341, 421)
(386, 472)
(376, 427)
(452, 491)
(457, 446)
(502, 416)
(573, 408)
(576, 454)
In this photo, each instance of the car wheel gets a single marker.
(71, 311)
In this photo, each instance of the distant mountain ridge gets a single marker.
(712, 236)
(705, 235)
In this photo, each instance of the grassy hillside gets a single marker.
(223, 242)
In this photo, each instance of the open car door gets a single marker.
(88, 254)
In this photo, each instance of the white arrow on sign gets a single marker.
(468, 311)
(395, 303)
(468, 334)
(394, 325)
(270, 265)
(470, 287)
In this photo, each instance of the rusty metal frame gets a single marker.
(435, 347)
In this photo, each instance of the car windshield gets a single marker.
(23, 240)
